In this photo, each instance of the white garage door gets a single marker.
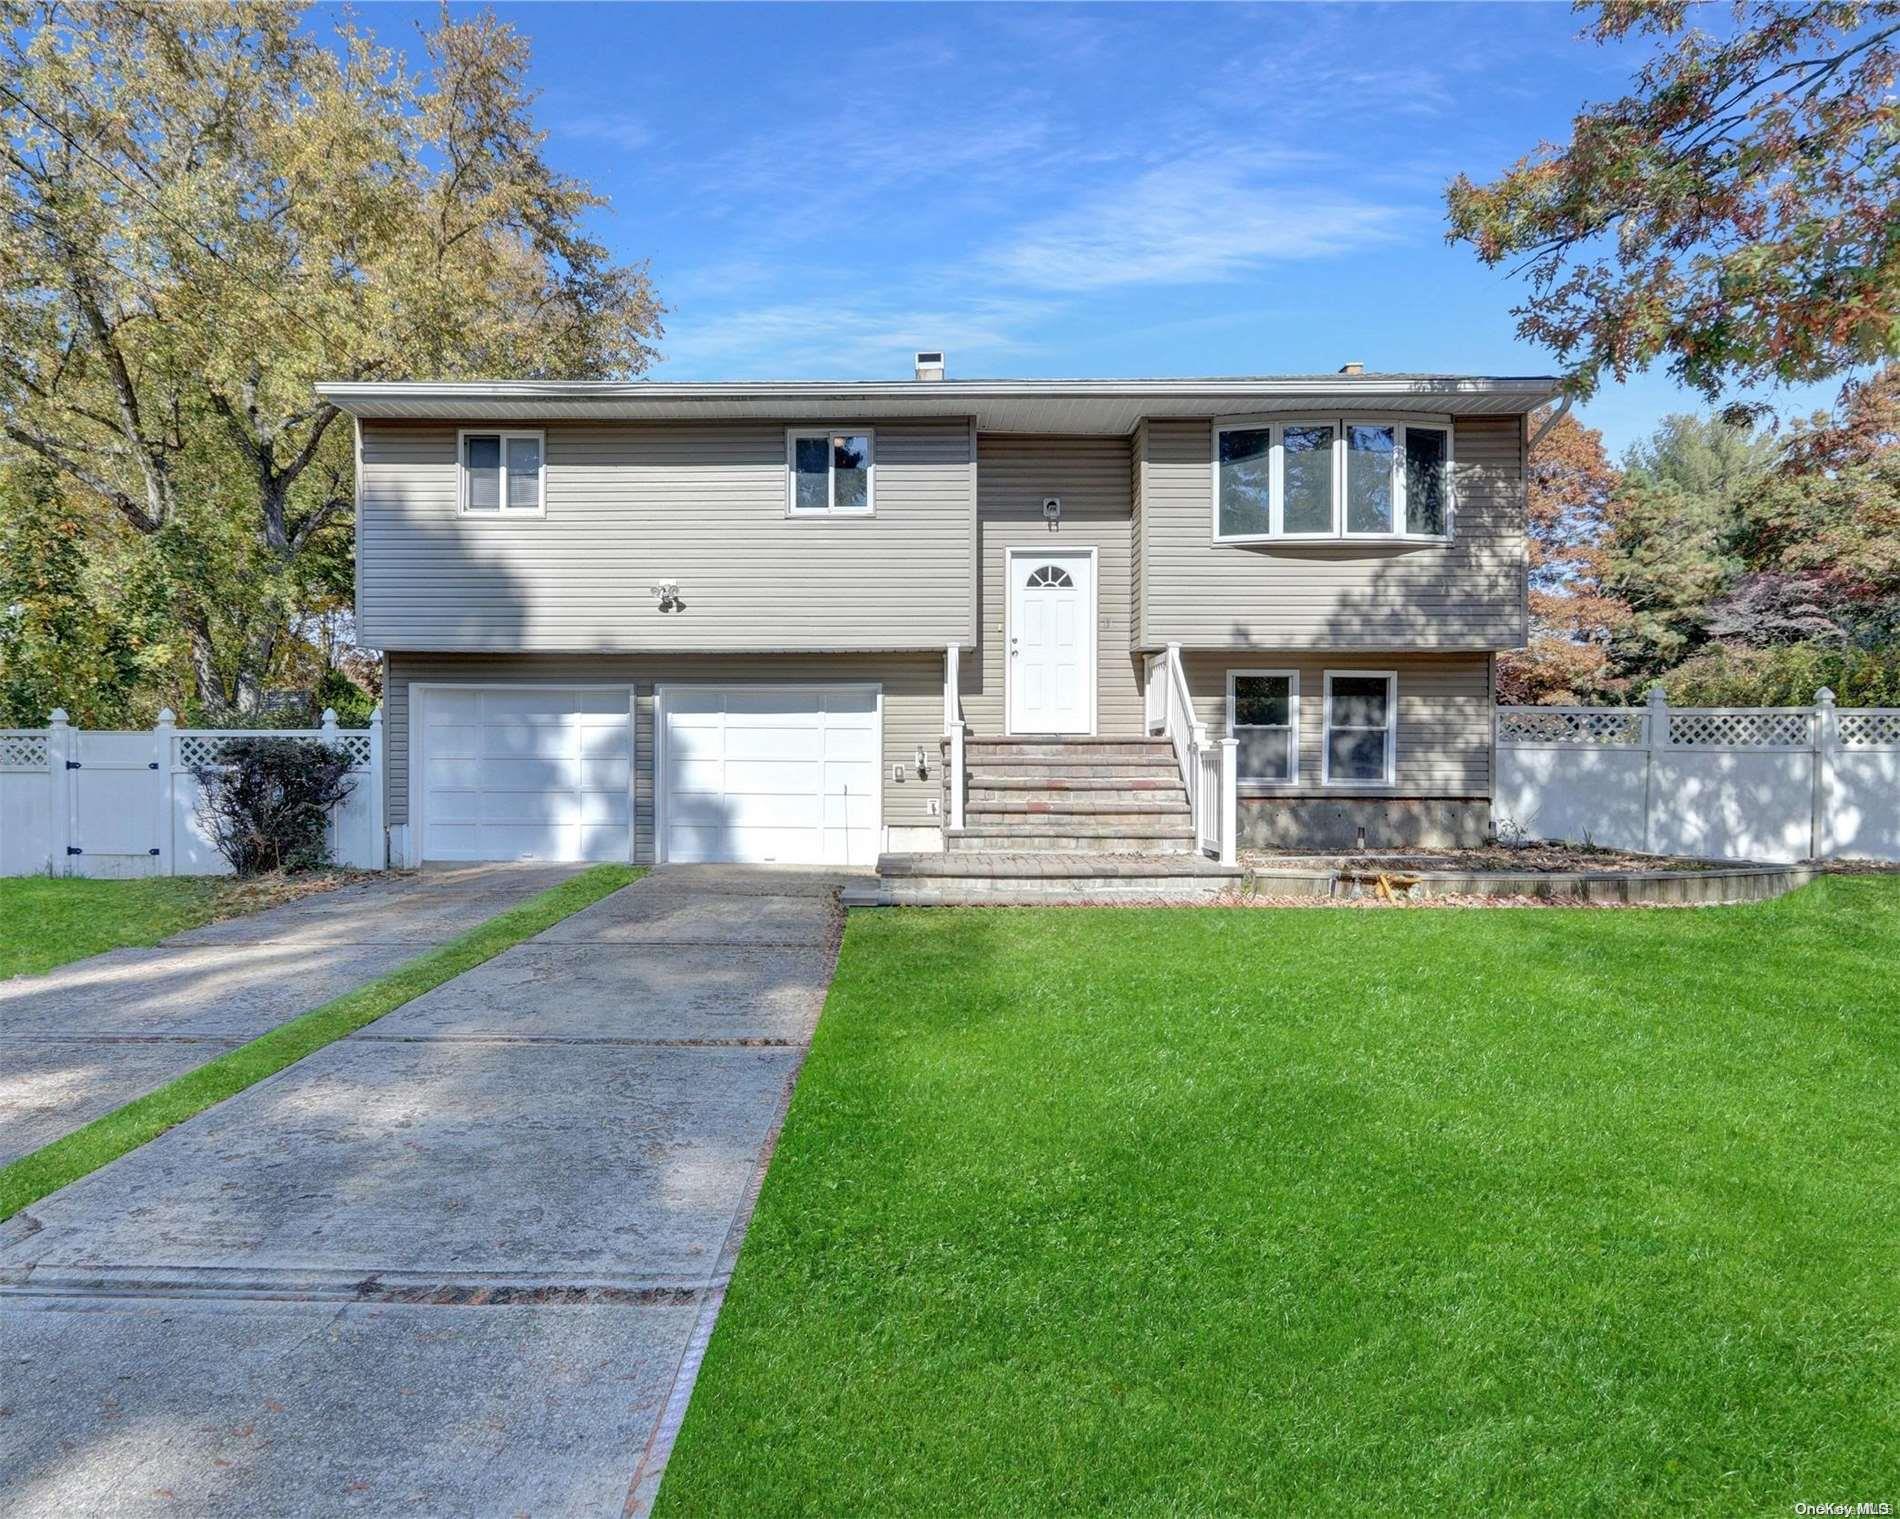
(526, 773)
(770, 775)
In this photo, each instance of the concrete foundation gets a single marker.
(1302, 822)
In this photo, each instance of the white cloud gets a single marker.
(1191, 221)
(829, 339)
(621, 129)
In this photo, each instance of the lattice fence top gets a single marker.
(208, 748)
(23, 751)
(1594, 726)
(1869, 727)
(1690, 728)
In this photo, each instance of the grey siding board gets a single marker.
(630, 505)
(1444, 737)
(1092, 476)
(1465, 595)
(1137, 608)
(913, 710)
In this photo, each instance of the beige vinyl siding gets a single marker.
(912, 690)
(1468, 594)
(1137, 617)
(1444, 737)
(1092, 478)
(630, 505)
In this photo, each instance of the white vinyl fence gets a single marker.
(1755, 783)
(83, 803)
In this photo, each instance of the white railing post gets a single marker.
(163, 732)
(953, 737)
(1827, 736)
(328, 733)
(59, 749)
(1229, 800)
(1657, 733)
(378, 834)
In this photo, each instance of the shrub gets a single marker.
(266, 801)
(1787, 675)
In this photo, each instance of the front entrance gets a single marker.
(1051, 654)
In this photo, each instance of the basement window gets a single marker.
(1332, 479)
(501, 473)
(829, 473)
(1263, 718)
(1361, 728)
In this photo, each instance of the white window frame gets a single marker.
(1391, 776)
(831, 507)
(1258, 783)
(482, 514)
(1337, 533)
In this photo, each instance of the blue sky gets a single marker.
(1064, 190)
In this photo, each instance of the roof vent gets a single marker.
(1353, 368)
(930, 365)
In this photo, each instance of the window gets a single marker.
(1263, 719)
(1050, 575)
(830, 473)
(501, 474)
(1361, 728)
(1331, 479)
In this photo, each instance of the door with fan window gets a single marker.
(1051, 648)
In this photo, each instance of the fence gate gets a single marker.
(112, 791)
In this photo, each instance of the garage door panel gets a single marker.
(762, 742)
(526, 773)
(770, 774)
(772, 777)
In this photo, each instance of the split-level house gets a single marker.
(827, 622)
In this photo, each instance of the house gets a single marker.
(824, 622)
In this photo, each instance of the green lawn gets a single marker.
(46, 922)
(1222, 1211)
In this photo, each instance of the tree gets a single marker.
(58, 647)
(1734, 213)
(1572, 488)
(204, 210)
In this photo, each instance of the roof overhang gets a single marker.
(1027, 406)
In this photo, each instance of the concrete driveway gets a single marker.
(462, 1262)
(84, 1038)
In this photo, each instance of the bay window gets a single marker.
(1331, 479)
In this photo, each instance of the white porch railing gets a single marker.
(1209, 772)
(1761, 783)
(80, 802)
(952, 737)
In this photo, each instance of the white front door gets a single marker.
(1051, 642)
(784, 775)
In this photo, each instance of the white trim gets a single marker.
(1293, 715)
(831, 507)
(1093, 555)
(660, 690)
(1338, 533)
(412, 843)
(484, 514)
(1391, 777)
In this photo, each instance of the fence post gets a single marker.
(378, 835)
(1827, 735)
(59, 739)
(163, 732)
(1657, 732)
(1229, 803)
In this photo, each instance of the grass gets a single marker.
(1244, 1211)
(46, 922)
(33, 1176)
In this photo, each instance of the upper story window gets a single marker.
(1331, 479)
(501, 473)
(831, 473)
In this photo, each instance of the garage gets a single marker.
(525, 772)
(769, 774)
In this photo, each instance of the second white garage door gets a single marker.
(769, 774)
